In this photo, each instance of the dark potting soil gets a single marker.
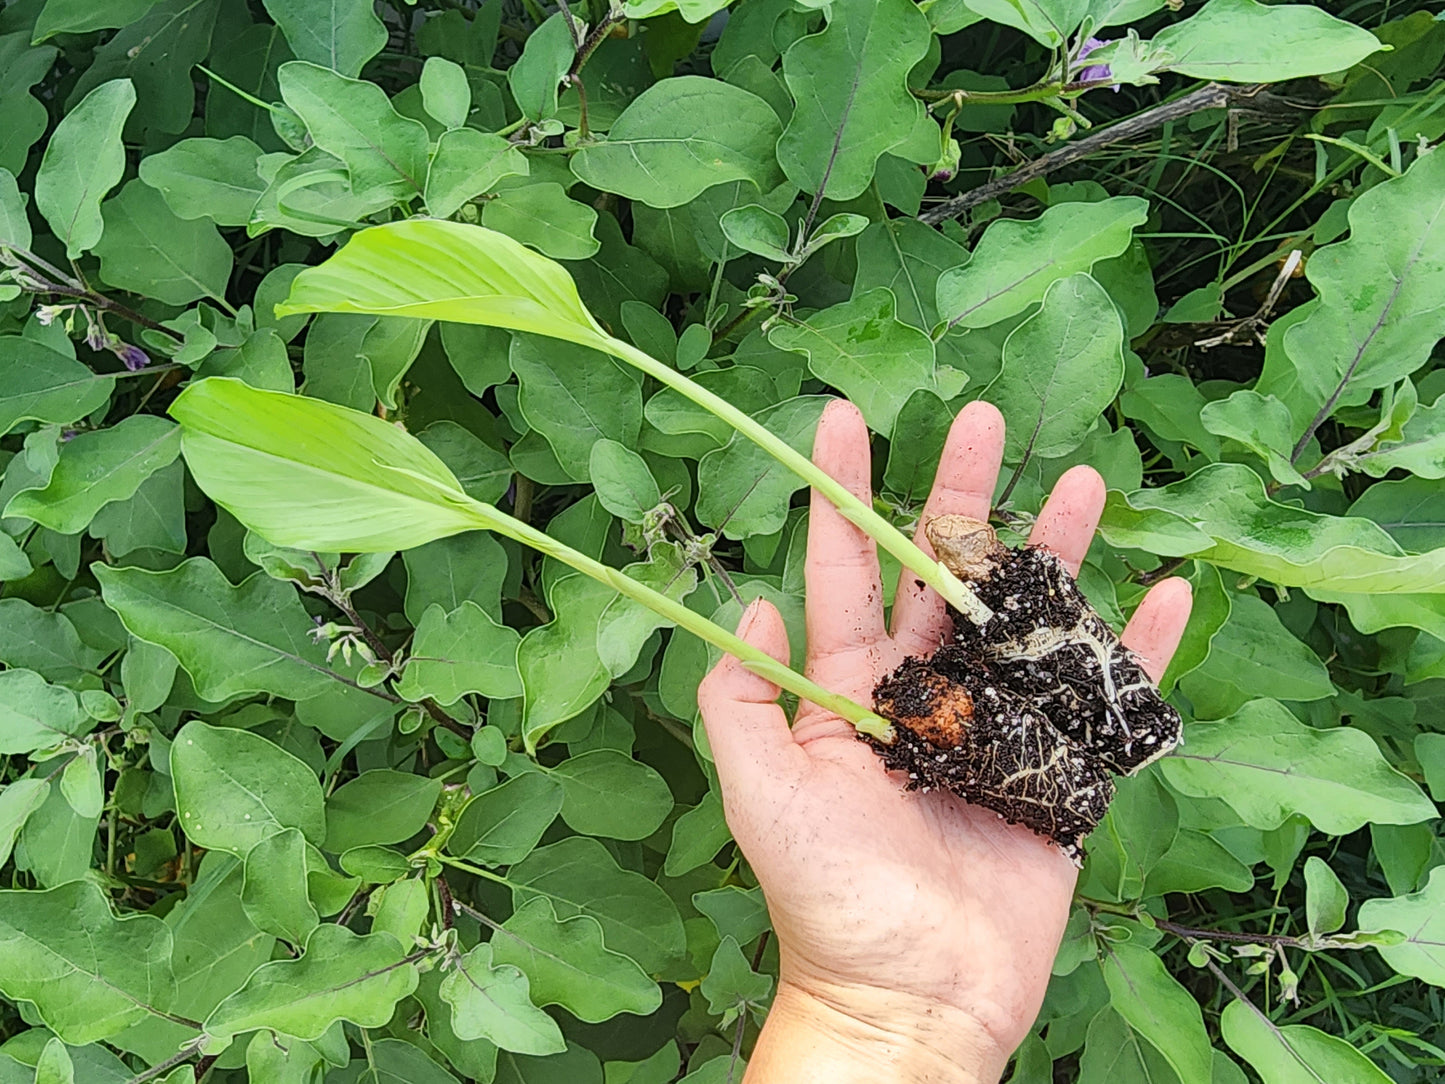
(1029, 713)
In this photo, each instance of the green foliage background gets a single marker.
(447, 814)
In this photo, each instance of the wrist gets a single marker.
(819, 1035)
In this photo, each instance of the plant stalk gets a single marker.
(756, 660)
(931, 572)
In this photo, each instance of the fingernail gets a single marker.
(750, 617)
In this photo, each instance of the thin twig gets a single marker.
(186, 1053)
(1228, 935)
(1167, 568)
(1209, 96)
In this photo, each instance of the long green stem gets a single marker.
(759, 662)
(931, 572)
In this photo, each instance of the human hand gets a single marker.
(916, 932)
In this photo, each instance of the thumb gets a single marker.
(748, 732)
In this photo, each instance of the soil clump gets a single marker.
(1029, 713)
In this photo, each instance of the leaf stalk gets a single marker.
(756, 660)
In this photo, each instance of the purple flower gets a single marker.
(95, 337)
(132, 357)
(1094, 72)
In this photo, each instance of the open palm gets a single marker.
(888, 902)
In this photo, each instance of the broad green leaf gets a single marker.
(1250, 651)
(312, 195)
(1171, 408)
(55, 1066)
(625, 625)
(1049, 22)
(83, 161)
(341, 976)
(207, 178)
(697, 836)
(1252, 534)
(231, 640)
(545, 217)
(261, 361)
(502, 825)
(249, 61)
(394, 1061)
(1015, 263)
(607, 793)
(37, 715)
(14, 564)
(574, 397)
(43, 641)
(284, 1061)
(17, 801)
(273, 892)
(22, 65)
(156, 53)
(401, 909)
(1420, 916)
(1114, 1053)
(338, 34)
(624, 483)
(860, 348)
(923, 424)
(743, 490)
(748, 388)
(465, 164)
(1269, 766)
(1241, 41)
(562, 672)
(1197, 861)
(444, 91)
(850, 83)
(1325, 897)
(354, 483)
(464, 651)
(1153, 1003)
(577, 1066)
(79, 16)
(478, 354)
(692, 11)
(14, 223)
(235, 789)
(1361, 336)
(353, 120)
(87, 973)
(907, 257)
(568, 965)
(490, 1001)
(1262, 424)
(1293, 1053)
(731, 986)
(80, 785)
(580, 877)
(758, 230)
(739, 913)
(1418, 448)
(56, 844)
(375, 865)
(379, 806)
(96, 468)
(1061, 368)
(546, 58)
(450, 571)
(1208, 613)
(452, 272)
(679, 137)
(1138, 830)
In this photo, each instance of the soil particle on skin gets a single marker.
(1027, 714)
